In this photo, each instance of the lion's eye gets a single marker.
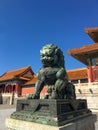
(42, 55)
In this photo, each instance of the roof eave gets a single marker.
(92, 32)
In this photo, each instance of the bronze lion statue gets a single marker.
(53, 75)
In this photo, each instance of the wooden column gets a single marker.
(18, 89)
(3, 89)
(10, 90)
(90, 74)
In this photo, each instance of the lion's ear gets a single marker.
(41, 51)
(56, 50)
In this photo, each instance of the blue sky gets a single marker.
(27, 25)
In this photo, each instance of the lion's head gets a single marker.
(51, 55)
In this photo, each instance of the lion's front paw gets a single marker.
(33, 96)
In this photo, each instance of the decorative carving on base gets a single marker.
(50, 111)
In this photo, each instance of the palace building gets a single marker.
(17, 83)
(88, 55)
(13, 81)
(87, 86)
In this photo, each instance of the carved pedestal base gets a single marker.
(86, 123)
(50, 111)
(51, 114)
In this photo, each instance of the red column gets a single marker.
(90, 73)
(10, 88)
(17, 89)
(3, 89)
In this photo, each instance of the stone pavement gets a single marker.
(5, 111)
(96, 124)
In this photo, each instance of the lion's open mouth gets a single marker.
(47, 62)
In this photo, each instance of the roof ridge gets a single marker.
(95, 29)
(18, 69)
(77, 69)
(70, 51)
(3, 74)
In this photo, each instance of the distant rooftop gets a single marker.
(80, 73)
(22, 73)
(93, 33)
(85, 52)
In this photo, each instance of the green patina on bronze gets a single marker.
(53, 75)
(55, 112)
(60, 105)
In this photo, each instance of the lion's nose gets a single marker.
(45, 58)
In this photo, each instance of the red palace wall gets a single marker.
(90, 75)
(30, 90)
(44, 90)
(26, 91)
(93, 73)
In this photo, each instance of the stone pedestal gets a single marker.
(55, 112)
(85, 123)
(51, 114)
